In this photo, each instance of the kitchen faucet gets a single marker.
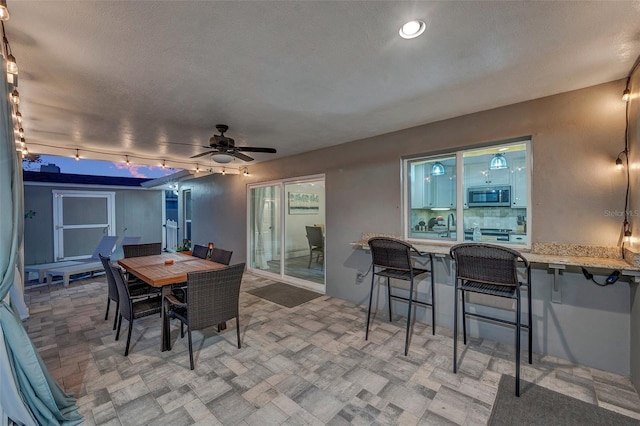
(451, 221)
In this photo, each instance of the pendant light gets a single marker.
(437, 169)
(498, 162)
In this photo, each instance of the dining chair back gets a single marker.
(137, 250)
(200, 251)
(131, 309)
(221, 256)
(212, 298)
(491, 270)
(316, 243)
(391, 258)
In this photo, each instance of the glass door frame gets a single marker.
(282, 183)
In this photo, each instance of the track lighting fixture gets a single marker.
(4, 12)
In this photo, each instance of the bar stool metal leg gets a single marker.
(455, 326)
(518, 309)
(406, 338)
(389, 296)
(464, 319)
(433, 298)
(373, 276)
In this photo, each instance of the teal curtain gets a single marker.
(29, 394)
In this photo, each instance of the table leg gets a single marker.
(166, 330)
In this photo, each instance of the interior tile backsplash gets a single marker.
(493, 217)
(485, 217)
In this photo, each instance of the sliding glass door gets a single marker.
(286, 231)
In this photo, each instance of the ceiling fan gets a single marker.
(224, 150)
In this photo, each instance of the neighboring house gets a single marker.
(72, 212)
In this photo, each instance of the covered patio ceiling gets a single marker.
(151, 79)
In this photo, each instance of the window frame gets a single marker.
(460, 188)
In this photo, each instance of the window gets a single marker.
(478, 194)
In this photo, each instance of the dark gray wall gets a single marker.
(140, 211)
(576, 137)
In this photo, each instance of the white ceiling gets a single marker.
(152, 78)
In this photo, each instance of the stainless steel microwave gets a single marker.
(489, 196)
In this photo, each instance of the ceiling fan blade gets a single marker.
(240, 156)
(203, 154)
(254, 149)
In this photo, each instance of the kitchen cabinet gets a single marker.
(519, 183)
(443, 190)
(417, 186)
(479, 174)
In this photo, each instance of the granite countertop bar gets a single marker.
(547, 253)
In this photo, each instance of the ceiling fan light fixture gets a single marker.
(498, 162)
(412, 29)
(221, 158)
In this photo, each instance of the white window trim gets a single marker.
(459, 153)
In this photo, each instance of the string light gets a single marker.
(15, 97)
(21, 132)
(197, 168)
(224, 172)
(626, 95)
(246, 171)
(128, 163)
(19, 118)
(22, 142)
(4, 12)
(77, 155)
(163, 165)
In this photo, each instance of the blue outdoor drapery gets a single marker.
(29, 395)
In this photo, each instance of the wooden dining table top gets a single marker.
(156, 272)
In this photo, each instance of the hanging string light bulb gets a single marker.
(15, 97)
(164, 166)
(4, 12)
(197, 168)
(224, 172)
(19, 118)
(21, 132)
(127, 161)
(77, 155)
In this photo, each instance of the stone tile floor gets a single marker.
(304, 365)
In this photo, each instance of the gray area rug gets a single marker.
(284, 294)
(541, 406)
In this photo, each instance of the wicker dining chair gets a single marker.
(137, 250)
(221, 256)
(491, 270)
(212, 298)
(200, 251)
(392, 258)
(130, 308)
(135, 290)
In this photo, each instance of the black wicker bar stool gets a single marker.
(492, 270)
(393, 259)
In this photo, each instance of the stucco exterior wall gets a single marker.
(575, 139)
(140, 211)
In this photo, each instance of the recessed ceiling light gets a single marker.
(412, 29)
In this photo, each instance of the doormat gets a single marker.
(284, 294)
(542, 406)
